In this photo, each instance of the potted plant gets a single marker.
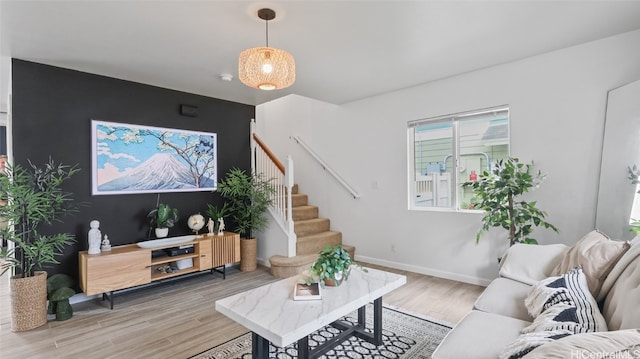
(249, 197)
(34, 199)
(332, 266)
(216, 214)
(497, 194)
(162, 218)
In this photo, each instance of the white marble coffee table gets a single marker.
(273, 316)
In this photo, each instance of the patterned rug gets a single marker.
(405, 336)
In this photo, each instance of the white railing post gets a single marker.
(252, 130)
(291, 247)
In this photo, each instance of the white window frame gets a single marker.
(454, 120)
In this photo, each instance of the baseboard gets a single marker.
(426, 271)
(81, 297)
(264, 262)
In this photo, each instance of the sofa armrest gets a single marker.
(529, 264)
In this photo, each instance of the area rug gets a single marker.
(405, 336)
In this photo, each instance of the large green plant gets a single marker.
(497, 194)
(34, 199)
(248, 197)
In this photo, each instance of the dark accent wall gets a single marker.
(52, 110)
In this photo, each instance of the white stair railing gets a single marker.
(264, 162)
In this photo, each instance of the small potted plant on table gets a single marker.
(163, 217)
(332, 266)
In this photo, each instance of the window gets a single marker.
(449, 150)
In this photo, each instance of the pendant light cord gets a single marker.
(267, 32)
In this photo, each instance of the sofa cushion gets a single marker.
(630, 256)
(479, 335)
(615, 344)
(505, 297)
(528, 263)
(564, 302)
(597, 254)
(528, 342)
(622, 302)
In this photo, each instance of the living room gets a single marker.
(557, 102)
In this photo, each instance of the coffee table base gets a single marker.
(260, 346)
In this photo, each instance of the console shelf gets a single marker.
(129, 266)
(160, 276)
(164, 260)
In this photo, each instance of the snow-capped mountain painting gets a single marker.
(141, 159)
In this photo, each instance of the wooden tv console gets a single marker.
(129, 265)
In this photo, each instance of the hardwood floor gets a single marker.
(178, 320)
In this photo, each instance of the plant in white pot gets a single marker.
(248, 197)
(33, 200)
(162, 218)
(498, 194)
(332, 266)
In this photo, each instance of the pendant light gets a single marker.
(266, 68)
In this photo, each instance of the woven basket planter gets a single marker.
(28, 301)
(248, 254)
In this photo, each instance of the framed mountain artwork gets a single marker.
(143, 159)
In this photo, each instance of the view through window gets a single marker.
(449, 150)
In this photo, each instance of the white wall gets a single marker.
(557, 111)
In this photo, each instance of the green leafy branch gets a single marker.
(497, 193)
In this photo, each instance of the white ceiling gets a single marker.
(344, 50)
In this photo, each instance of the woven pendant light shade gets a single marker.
(266, 68)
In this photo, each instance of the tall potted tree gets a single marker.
(34, 200)
(498, 193)
(248, 198)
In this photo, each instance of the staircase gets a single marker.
(313, 233)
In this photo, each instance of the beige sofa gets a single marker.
(495, 325)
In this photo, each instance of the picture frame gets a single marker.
(304, 291)
(130, 159)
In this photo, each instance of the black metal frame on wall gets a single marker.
(52, 110)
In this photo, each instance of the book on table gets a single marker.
(303, 291)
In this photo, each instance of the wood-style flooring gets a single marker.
(178, 320)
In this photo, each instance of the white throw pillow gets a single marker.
(529, 264)
(562, 306)
(564, 302)
(597, 254)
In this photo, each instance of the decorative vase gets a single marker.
(28, 301)
(162, 232)
(248, 254)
